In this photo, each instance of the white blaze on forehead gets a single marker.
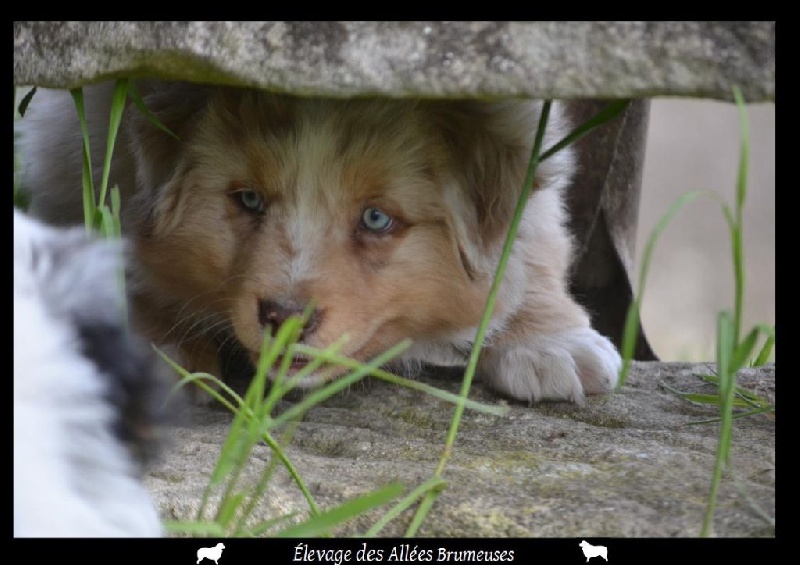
(315, 204)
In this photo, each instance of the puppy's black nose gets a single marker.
(272, 315)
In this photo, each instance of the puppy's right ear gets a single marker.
(159, 155)
(490, 145)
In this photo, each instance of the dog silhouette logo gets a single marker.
(210, 553)
(590, 550)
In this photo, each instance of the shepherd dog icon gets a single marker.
(210, 553)
(590, 550)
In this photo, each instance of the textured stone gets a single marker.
(628, 464)
(475, 59)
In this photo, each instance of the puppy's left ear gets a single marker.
(490, 146)
(158, 155)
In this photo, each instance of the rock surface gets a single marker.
(477, 59)
(623, 465)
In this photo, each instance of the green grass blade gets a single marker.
(322, 524)
(631, 329)
(195, 528)
(746, 396)
(292, 470)
(246, 431)
(421, 513)
(258, 492)
(434, 484)
(263, 527)
(729, 219)
(117, 108)
(198, 379)
(234, 451)
(278, 390)
(271, 348)
(238, 456)
(116, 210)
(605, 115)
(229, 507)
(754, 412)
(700, 398)
(737, 233)
(316, 360)
(766, 351)
(742, 399)
(89, 205)
(725, 346)
(136, 97)
(408, 383)
(742, 351)
(341, 383)
(767, 330)
(744, 150)
(727, 391)
(284, 340)
(107, 228)
(232, 460)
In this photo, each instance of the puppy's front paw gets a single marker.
(561, 366)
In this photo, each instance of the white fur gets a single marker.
(560, 366)
(72, 476)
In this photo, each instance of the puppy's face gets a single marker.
(365, 209)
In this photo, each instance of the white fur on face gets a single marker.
(73, 477)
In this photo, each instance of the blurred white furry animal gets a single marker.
(82, 391)
(211, 553)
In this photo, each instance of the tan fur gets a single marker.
(447, 172)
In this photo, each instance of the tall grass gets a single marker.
(605, 115)
(733, 351)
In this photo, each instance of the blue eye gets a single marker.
(251, 200)
(376, 220)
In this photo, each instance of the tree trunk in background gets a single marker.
(604, 209)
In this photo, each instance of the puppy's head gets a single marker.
(387, 215)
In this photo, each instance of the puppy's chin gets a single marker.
(305, 373)
(297, 371)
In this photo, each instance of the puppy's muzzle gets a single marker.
(271, 315)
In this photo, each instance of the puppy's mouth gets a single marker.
(240, 363)
(295, 364)
(291, 366)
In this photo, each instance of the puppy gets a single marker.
(84, 391)
(388, 215)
